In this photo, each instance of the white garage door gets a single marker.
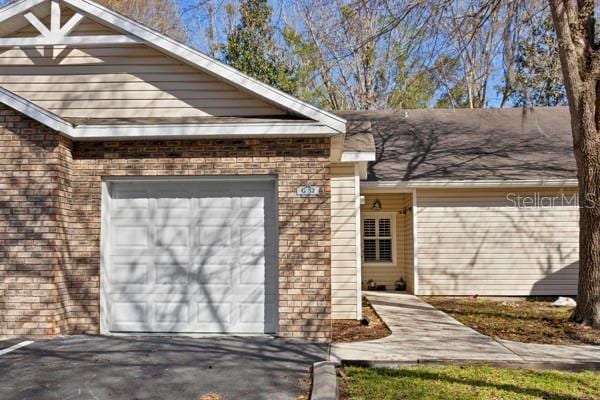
(190, 256)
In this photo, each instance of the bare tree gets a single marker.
(161, 15)
(580, 60)
(353, 53)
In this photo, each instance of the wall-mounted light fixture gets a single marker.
(376, 205)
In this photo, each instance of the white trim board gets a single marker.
(358, 241)
(97, 40)
(355, 156)
(190, 56)
(255, 129)
(415, 227)
(163, 131)
(409, 186)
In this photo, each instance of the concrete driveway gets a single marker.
(93, 367)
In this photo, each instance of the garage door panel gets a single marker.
(172, 236)
(129, 311)
(129, 272)
(252, 236)
(215, 274)
(251, 274)
(190, 257)
(172, 274)
(213, 235)
(214, 312)
(131, 236)
(129, 199)
(171, 312)
(166, 200)
(250, 312)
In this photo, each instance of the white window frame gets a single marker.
(378, 216)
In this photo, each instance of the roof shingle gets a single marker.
(482, 144)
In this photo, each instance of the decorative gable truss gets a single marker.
(59, 34)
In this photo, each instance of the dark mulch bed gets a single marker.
(350, 330)
(528, 321)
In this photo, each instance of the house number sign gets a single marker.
(307, 191)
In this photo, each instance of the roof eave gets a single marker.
(399, 186)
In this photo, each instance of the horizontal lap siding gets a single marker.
(343, 242)
(479, 242)
(119, 82)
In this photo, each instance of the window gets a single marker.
(379, 231)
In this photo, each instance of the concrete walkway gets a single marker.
(422, 333)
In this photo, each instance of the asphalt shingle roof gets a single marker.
(482, 144)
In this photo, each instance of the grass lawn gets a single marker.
(455, 382)
(529, 321)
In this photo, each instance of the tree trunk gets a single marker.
(588, 165)
(580, 62)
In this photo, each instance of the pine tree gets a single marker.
(252, 49)
(538, 71)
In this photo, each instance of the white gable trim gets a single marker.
(36, 112)
(18, 8)
(190, 56)
(162, 131)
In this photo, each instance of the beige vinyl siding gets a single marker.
(476, 242)
(388, 274)
(119, 82)
(343, 242)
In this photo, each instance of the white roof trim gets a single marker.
(36, 112)
(18, 8)
(163, 131)
(355, 156)
(207, 130)
(206, 63)
(399, 186)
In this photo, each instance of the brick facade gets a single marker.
(50, 220)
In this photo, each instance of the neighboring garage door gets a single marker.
(190, 256)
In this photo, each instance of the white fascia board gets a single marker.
(356, 156)
(208, 64)
(400, 186)
(17, 8)
(36, 112)
(191, 131)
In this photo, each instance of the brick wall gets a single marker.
(56, 271)
(32, 168)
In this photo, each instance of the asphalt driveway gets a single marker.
(94, 367)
